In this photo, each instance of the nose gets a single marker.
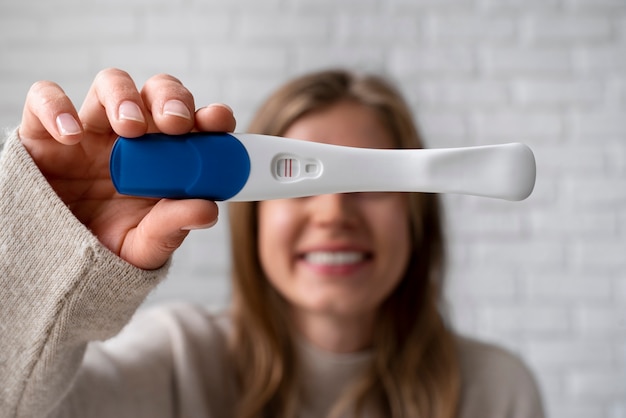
(337, 210)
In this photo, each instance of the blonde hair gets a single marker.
(414, 371)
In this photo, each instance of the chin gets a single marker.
(340, 306)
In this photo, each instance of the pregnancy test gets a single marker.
(252, 167)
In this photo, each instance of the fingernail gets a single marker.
(221, 105)
(195, 227)
(130, 111)
(67, 125)
(176, 108)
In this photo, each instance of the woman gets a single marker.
(395, 306)
(335, 298)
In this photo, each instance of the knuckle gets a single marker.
(45, 93)
(111, 72)
(170, 244)
(113, 85)
(40, 88)
(161, 85)
(163, 77)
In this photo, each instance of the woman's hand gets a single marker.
(72, 151)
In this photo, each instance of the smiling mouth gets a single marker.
(335, 258)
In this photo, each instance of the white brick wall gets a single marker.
(545, 277)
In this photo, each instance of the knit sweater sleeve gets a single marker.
(59, 289)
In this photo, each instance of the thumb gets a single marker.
(163, 230)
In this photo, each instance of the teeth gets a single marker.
(334, 258)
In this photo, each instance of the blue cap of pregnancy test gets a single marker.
(213, 166)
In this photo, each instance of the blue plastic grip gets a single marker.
(213, 166)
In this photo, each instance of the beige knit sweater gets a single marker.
(66, 349)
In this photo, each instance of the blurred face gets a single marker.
(339, 254)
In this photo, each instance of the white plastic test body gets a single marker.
(252, 167)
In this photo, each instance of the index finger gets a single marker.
(49, 113)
